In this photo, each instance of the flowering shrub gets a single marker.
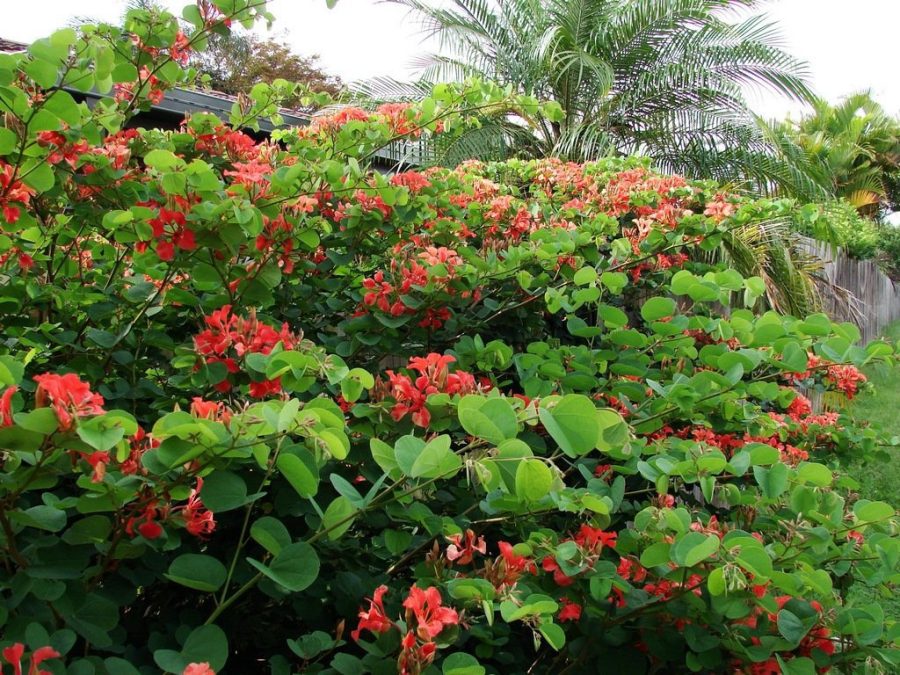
(263, 409)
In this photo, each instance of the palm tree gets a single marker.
(662, 78)
(852, 150)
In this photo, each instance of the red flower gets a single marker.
(845, 379)
(98, 461)
(70, 397)
(198, 669)
(571, 611)
(514, 565)
(462, 548)
(594, 538)
(559, 577)
(150, 530)
(414, 658)
(800, 407)
(165, 250)
(855, 537)
(374, 619)
(13, 656)
(39, 656)
(434, 377)
(603, 471)
(6, 419)
(198, 520)
(431, 616)
(210, 410)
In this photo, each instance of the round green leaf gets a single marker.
(533, 480)
(461, 663)
(573, 424)
(198, 571)
(223, 491)
(655, 309)
(295, 567)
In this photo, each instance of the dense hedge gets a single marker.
(264, 410)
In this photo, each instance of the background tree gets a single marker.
(853, 151)
(236, 62)
(662, 78)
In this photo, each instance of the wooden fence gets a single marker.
(874, 300)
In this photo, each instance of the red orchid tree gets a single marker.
(246, 379)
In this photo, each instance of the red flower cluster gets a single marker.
(170, 230)
(411, 395)
(412, 180)
(223, 141)
(198, 520)
(70, 397)
(13, 192)
(571, 611)
(433, 266)
(425, 611)
(333, 123)
(375, 618)
(13, 656)
(210, 410)
(63, 150)
(512, 565)
(590, 541)
(818, 638)
(463, 547)
(844, 378)
(228, 338)
(426, 606)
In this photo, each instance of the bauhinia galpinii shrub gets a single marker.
(264, 410)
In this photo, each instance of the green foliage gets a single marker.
(662, 78)
(520, 406)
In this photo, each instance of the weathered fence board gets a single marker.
(876, 300)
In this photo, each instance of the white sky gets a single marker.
(849, 44)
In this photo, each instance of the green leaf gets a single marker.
(461, 663)
(871, 512)
(42, 517)
(573, 424)
(533, 480)
(553, 634)
(338, 517)
(791, 627)
(101, 433)
(206, 644)
(197, 571)
(655, 309)
(295, 567)
(715, 582)
(89, 530)
(298, 466)
(694, 547)
(584, 276)
(773, 481)
(492, 419)
(162, 160)
(817, 474)
(223, 491)
(271, 534)
(436, 460)
(406, 452)
(656, 554)
(8, 141)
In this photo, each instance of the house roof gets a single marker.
(10, 46)
(179, 102)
